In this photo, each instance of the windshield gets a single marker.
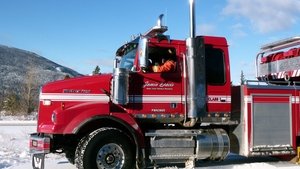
(128, 59)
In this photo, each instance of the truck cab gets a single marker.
(161, 95)
(146, 111)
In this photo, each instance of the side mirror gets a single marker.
(143, 52)
(116, 62)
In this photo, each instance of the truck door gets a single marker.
(157, 94)
(218, 80)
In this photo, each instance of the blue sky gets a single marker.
(82, 34)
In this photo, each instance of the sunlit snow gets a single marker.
(14, 153)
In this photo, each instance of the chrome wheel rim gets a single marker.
(110, 156)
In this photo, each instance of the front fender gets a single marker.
(123, 121)
(74, 116)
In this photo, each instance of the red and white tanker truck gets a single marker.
(136, 116)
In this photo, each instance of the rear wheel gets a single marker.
(105, 148)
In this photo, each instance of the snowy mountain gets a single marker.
(19, 68)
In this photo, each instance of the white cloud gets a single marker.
(206, 29)
(105, 63)
(101, 61)
(265, 15)
(238, 30)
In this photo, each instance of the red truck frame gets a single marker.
(135, 117)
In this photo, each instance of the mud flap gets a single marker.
(38, 161)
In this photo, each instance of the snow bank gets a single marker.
(14, 153)
(14, 144)
(5, 117)
(18, 123)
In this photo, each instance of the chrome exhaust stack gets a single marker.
(195, 80)
(159, 28)
(192, 19)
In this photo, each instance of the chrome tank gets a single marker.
(120, 84)
(179, 146)
(213, 144)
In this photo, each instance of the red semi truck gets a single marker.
(137, 117)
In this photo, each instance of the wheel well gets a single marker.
(99, 122)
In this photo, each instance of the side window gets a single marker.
(215, 66)
(162, 59)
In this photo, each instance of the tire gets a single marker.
(78, 152)
(105, 148)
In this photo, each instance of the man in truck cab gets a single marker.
(167, 63)
(167, 66)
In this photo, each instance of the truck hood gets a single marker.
(97, 84)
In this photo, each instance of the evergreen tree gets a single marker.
(97, 70)
(67, 76)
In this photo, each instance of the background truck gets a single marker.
(135, 117)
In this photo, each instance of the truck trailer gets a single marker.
(142, 115)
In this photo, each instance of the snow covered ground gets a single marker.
(14, 154)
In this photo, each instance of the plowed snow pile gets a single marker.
(14, 153)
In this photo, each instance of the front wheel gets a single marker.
(105, 148)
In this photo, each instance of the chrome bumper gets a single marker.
(39, 146)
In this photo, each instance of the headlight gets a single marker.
(47, 102)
